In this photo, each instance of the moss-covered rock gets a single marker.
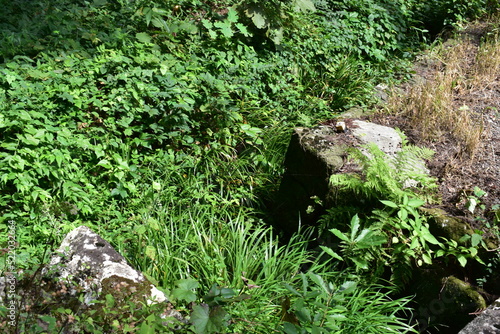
(442, 224)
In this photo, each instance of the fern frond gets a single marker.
(384, 177)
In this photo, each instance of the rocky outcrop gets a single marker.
(487, 321)
(445, 225)
(447, 300)
(314, 154)
(87, 275)
(94, 266)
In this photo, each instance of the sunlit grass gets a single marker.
(430, 106)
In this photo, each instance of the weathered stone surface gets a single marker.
(443, 300)
(387, 139)
(444, 225)
(314, 154)
(94, 265)
(488, 321)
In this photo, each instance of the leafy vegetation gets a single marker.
(163, 125)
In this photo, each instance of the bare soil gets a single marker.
(457, 173)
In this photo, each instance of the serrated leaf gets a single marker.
(318, 280)
(199, 318)
(330, 252)
(232, 15)
(355, 224)
(184, 290)
(187, 283)
(243, 29)
(257, 17)
(339, 234)
(225, 28)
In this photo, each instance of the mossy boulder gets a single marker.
(444, 300)
(88, 278)
(442, 224)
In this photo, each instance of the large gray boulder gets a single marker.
(86, 274)
(314, 154)
(487, 321)
(94, 265)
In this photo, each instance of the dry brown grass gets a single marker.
(434, 105)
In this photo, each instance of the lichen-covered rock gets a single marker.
(314, 154)
(487, 322)
(89, 278)
(92, 263)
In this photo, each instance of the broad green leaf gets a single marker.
(372, 240)
(414, 243)
(390, 204)
(318, 280)
(140, 230)
(462, 260)
(289, 328)
(225, 28)
(184, 290)
(360, 262)
(257, 17)
(292, 289)
(476, 239)
(471, 204)
(478, 192)
(303, 314)
(187, 283)
(153, 224)
(365, 234)
(415, 203)
(200, 318)
(143, 37)
(243, 29)
(147, 328)
(330, 252)
(104, 163)
(304, 5)
(150, 252)
(427, 258)
(403, 214)
(473, 251)
(348, 287)
(429, 237)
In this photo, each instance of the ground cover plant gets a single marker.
(163, 125)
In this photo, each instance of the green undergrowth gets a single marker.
(163, 126)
